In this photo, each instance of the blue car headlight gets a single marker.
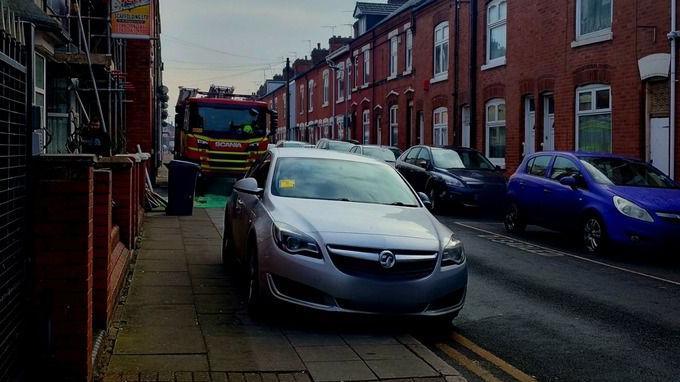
(294, 242)
(632, 210)
(454, 182)
(453, 253)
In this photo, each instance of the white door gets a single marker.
(529, 126)
(421, 127)
(659, 143)
(548, 123)
(465, 139)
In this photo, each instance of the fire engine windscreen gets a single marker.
(229, 120)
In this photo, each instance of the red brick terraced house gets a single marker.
(507, 77)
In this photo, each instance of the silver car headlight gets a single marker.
(453, 253)
(291, 240)
(632, 210)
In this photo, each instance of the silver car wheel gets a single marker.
(592, 235)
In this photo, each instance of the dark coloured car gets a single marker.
(396, 150)
(456, 177)
(376, 152)
(607, 200)
(329, 144)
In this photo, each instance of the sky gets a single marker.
(240, 42)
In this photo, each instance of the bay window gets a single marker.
(440, 122)
(394, 47)
(495, 131)
(394, 126)
(594, 119)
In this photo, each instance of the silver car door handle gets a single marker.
(240, 202)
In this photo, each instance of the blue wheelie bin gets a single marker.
(182, 178)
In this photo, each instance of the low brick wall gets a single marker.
(86, 217)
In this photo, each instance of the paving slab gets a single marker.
(160, 315)
(340, 371)
(161, 265)
(162, 254)
(166, 243)
(145, 363)
(162, 278)
(401, 368)
(298, 338)
(367, 339)
(251, 354)
(207, 271)
(159, 340)
(216, 303)
(154, 295)
(378, 352)
(326, 353)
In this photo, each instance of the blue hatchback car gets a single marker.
(608, 200)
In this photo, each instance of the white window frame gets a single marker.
(495, 122)
(41, 91)
(340, 79)
(394, 60)
(394, 125)
(408, 60)
(592, 37)
(367, 66)
(441, 44)
(498, 61)
(310, 95)
(350, 72)
(356, 73)
(302, 99)
(592, 89)
(366, 126)
(326, 87)
(443, 126)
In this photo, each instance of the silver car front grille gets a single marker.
(365, 262)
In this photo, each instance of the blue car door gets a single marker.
(532, 188)
(564, 203)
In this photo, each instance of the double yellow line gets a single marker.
(475, 367)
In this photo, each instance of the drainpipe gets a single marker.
(456, 79)
(673, 36)
(473, 73)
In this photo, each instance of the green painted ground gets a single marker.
(210, 201)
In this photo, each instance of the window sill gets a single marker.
(325, 104)
(408, 72)
(364, 86)
(392, 77)
(354, 89)
(494, 64)
(340, 100)
(440, 78)
(588, 40)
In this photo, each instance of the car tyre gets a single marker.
(434, 201)
(254, 290)
(514, 221)
(594, 235)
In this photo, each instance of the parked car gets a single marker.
(459, 177)
(342, 233)
(329, 144)
(291, 144)
(375, 152)
(608, 200)
(396, 150)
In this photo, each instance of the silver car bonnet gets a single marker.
(332, 220)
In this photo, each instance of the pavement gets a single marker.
(183, 318)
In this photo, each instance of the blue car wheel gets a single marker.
(594, 235)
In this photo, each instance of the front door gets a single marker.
(548, 122)
(529, 126)
(659, 143)
(409, 124)
(465, 138)
(421, 128)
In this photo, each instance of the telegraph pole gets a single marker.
(287, 79)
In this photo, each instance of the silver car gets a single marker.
(343, 233)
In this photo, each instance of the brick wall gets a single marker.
(63, 270)
(139, 111)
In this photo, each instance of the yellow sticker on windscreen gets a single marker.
(286, 183)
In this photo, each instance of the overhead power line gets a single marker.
(224, 52)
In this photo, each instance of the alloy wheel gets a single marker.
(433, 197)
(592, 235)
(512, 220)
(253, 280)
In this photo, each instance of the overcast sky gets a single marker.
(239, 42)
